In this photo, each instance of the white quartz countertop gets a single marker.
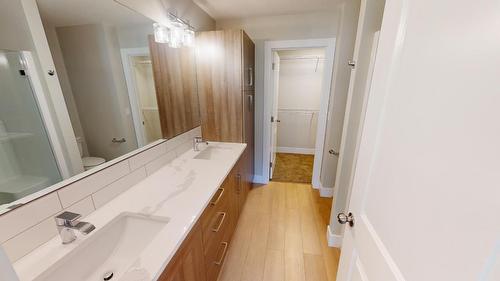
(180, 191)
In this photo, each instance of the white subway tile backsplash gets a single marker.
(147, 156)
(26, 241)
(80, 189)
(156, 164)
(183, 148)
(111, 191)
(26, 216)
(31, 225)
(83, 207)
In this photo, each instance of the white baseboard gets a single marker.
(326, 192)
(296, 150)
(260, 179)
(334, 240)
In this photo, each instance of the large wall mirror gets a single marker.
(121, 91)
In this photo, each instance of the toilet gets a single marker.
(88, 162)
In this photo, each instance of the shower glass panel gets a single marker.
(27, 162)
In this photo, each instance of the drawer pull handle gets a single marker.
(221, 221)
(238, 188)
(219, 262)
(213, 203)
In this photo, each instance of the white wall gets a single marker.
(55, 50)
(284, 27)
(344, 49)
(300, 81)
(89, 55)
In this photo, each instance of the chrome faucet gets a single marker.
(196, 141)
(67, 222)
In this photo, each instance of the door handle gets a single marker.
(115, 140)
(342, 218)
(333, 152)
(352, 64)
(250, 102)
(250, 76)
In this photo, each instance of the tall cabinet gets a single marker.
(225, 66)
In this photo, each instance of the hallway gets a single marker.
(281, 236)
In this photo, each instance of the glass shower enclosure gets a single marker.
(27, 160)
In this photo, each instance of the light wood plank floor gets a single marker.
(281, 236)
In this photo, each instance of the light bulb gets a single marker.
(161, 33)
(188, 38)
(176, 35)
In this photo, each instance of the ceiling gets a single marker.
(78, 12)
(233, 9)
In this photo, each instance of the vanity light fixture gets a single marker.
(161, 33)
(188, 38)
(176, 35)
(177, 32)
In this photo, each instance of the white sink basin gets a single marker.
(214, 153)
(114, 248)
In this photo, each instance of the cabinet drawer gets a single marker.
(213, 234)
(213, 264)
(215, 215)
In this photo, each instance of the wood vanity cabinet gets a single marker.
(225, 67)
(188, 262)
(202, 254)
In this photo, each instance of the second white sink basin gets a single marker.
(111, 250)
(213, 153)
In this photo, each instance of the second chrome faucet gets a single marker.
(196, 142)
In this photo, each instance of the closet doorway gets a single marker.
(298, 87)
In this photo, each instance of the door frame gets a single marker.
(127, 54)
(269, 46)
(35, 83)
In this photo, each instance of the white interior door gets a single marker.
(425, 190)
(275, 119)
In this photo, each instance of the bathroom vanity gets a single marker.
(175, 224)
(202, 254)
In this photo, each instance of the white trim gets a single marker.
(260, 179)
(334, 240)
(127, 54)
(326, 192)
(269, 47)
(36, 84)
(295, 150)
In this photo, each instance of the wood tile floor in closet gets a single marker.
(281, 236)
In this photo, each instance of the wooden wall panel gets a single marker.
(174, 72)
(219, 72)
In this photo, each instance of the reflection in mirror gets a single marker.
(27, 162)
(121, 91)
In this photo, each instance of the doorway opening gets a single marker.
(142, 94)
(298, 81)
(297, 85)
